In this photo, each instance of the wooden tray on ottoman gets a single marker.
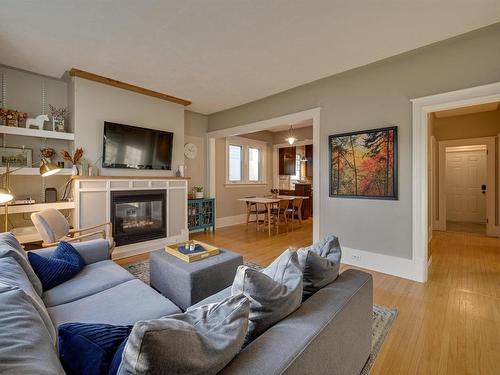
(189, 258)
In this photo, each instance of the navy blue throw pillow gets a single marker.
(64, 263)
(117, 358)
(89, 348)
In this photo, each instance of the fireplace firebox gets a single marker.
(138, 215)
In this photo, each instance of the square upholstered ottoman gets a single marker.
(188, 283)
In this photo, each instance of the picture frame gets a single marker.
(364, 164)
(16, 157)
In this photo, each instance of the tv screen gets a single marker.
(126, 146)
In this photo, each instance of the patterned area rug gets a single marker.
(383, 317)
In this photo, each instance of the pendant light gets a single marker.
(291, 136)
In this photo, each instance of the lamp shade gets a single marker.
(5, 195)
(48, 169)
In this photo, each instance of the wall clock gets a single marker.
(190, 151)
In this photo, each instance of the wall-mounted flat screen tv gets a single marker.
(126, 146)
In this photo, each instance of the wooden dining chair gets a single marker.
(295, 210)
(279, 212)
(254, 209)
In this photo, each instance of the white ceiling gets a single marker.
(223, 53)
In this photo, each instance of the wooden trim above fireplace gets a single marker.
(127, 86)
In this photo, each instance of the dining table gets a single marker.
(269, 202)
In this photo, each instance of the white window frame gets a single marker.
(245, 144)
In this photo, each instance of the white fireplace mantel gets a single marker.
(93, 200)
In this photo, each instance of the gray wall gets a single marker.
(93, 103)
(370, 97)
(195, 129)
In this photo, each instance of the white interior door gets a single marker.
(466, 180)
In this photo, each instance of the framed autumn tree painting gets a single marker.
(364, 164)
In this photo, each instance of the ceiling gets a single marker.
(479, 108)
(280, 128)
(223, 53)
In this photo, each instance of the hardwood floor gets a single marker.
(449, 325)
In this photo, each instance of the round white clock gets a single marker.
(190, 151)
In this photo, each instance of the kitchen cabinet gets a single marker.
(287, 161)
(309, 162)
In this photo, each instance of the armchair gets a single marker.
(53, 228)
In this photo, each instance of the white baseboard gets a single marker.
(227, 221)
(391, 265)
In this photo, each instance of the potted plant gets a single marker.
(198, 192)
(75, 159)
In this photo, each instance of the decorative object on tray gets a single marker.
(198, 192)
(37, 122)
(363, 164)
(59, 116)
(11, 117)
(75, 159)
(274, 193)
(47, 153)
(16, 157)
(191, 251)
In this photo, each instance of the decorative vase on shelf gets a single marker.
(58, 124)
(74, 170)
(198, 194)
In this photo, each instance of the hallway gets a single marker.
(451, 324)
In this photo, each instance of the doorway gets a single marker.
(465, 188)
(466, 191)
(312, 116)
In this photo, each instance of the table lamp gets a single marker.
(46, 169)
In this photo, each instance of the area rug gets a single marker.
(383, 317)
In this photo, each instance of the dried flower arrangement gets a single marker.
(75, 159)
(11, 115)
(58, 113)
(47, 152)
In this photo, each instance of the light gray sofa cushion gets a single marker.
(94, 278)
(12, 274)
(274, 292)
(214, 298)
(320, 264)
(25, 345)
(200, 341)
(91, 251)
(122, 304)
(10, 247)
(330, 333)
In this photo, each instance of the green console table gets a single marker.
(201, 214)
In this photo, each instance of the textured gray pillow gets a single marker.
(10, 247)
(320, 264)
(274, 293)
(200, 341)
(12, 274)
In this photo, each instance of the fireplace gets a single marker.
(138, 215)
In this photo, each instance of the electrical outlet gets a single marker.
(356, 257)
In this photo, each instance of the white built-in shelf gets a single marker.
(36, 207)
(36, 133)
(35, 171)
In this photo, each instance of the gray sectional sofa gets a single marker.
(329, 334)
